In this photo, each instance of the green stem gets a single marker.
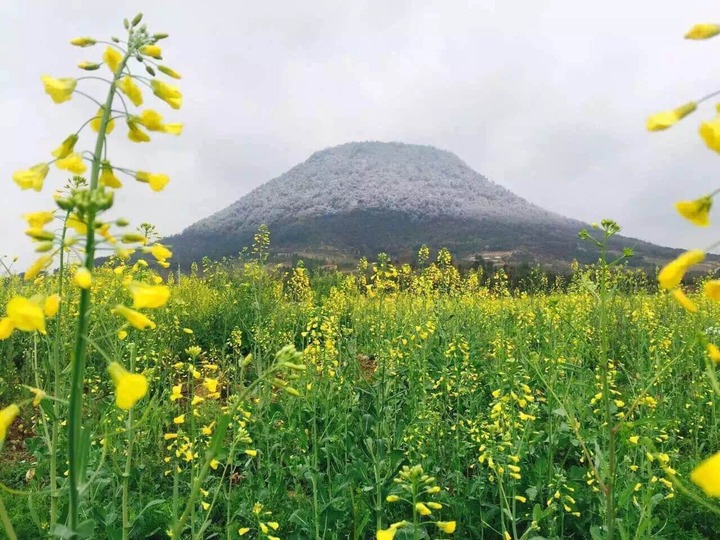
(79, 357)
(6, 522)
(127, 526)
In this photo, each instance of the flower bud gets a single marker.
(83, 41)
(122, 222)
(44, 246)
(137, 19)
(88, 66)
(161, 35)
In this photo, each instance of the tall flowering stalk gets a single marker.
(85, 232)
(706, 475)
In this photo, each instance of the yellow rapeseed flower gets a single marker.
(108, 178)
(39, 395)
(446, 526)
(73, 163)
(168, 93)
(179, 419)
(159, 251)
(172, 129)
(135, 134)
(7, 415)
(710, 133)
(707, 476)
(151, 120)
(392, 498)
(66, 147)
(211, 385)
(60, 90)
(243, 531)
(157, 182)
(703, 31)
(97, 119)
(26, 315)
(148, 296)
(75, 223)
(634, 439)
(83, 278)
(6, 327)
(665, 119)
(713, 352)
(176, 392)
(131, 90)
(169, 72)
(39, 219)
(671, 275)
(51, 305)
(152, 50)
(684, 301)
(712, 289)
(421, 509)
(697, 211)
(386, 534)
(42, 263)
(134, 318)
(32, 178)
(129, 387)
(112, 58)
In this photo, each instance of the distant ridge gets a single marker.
(361, 198)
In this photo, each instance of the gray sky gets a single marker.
(545, 97)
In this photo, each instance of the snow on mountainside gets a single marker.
(420, 181)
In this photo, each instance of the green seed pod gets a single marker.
(290, 390)
(150, 70)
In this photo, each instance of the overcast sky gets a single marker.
(545, 97)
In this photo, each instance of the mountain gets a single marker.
(362, 198)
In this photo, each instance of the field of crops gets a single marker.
(409, 385)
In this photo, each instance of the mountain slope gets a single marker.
(362, 198)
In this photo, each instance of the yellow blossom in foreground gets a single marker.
(707, 476)
(169, 72)
(665, 119)
(159, 251)
(7, 415)
(152, 50)
(684, 301)
(135, 134)
(710, 133)
(446, 526)
(129, 387)
(82, 41)
(134, 318)
(97, 119)
(671, 275)
(148, 296)
(112, 58)
(39, 219)
(703, 31)
(73, 163)
(39, 395)
(83, 278)
(51, 305)
(176, 392)
(6, 327)
(74, 222)
(42, 263)
(26, 315)
(151, 120)
(386, 534)
(66, 147)
(157, 181)
(108, 178)
(713, 352)
(33, 177)
(131, 90)
(60, 90)
(421, 509)
(210, 384)
(712, 289)
(179, 419)
(697, 211)
(168, 93)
